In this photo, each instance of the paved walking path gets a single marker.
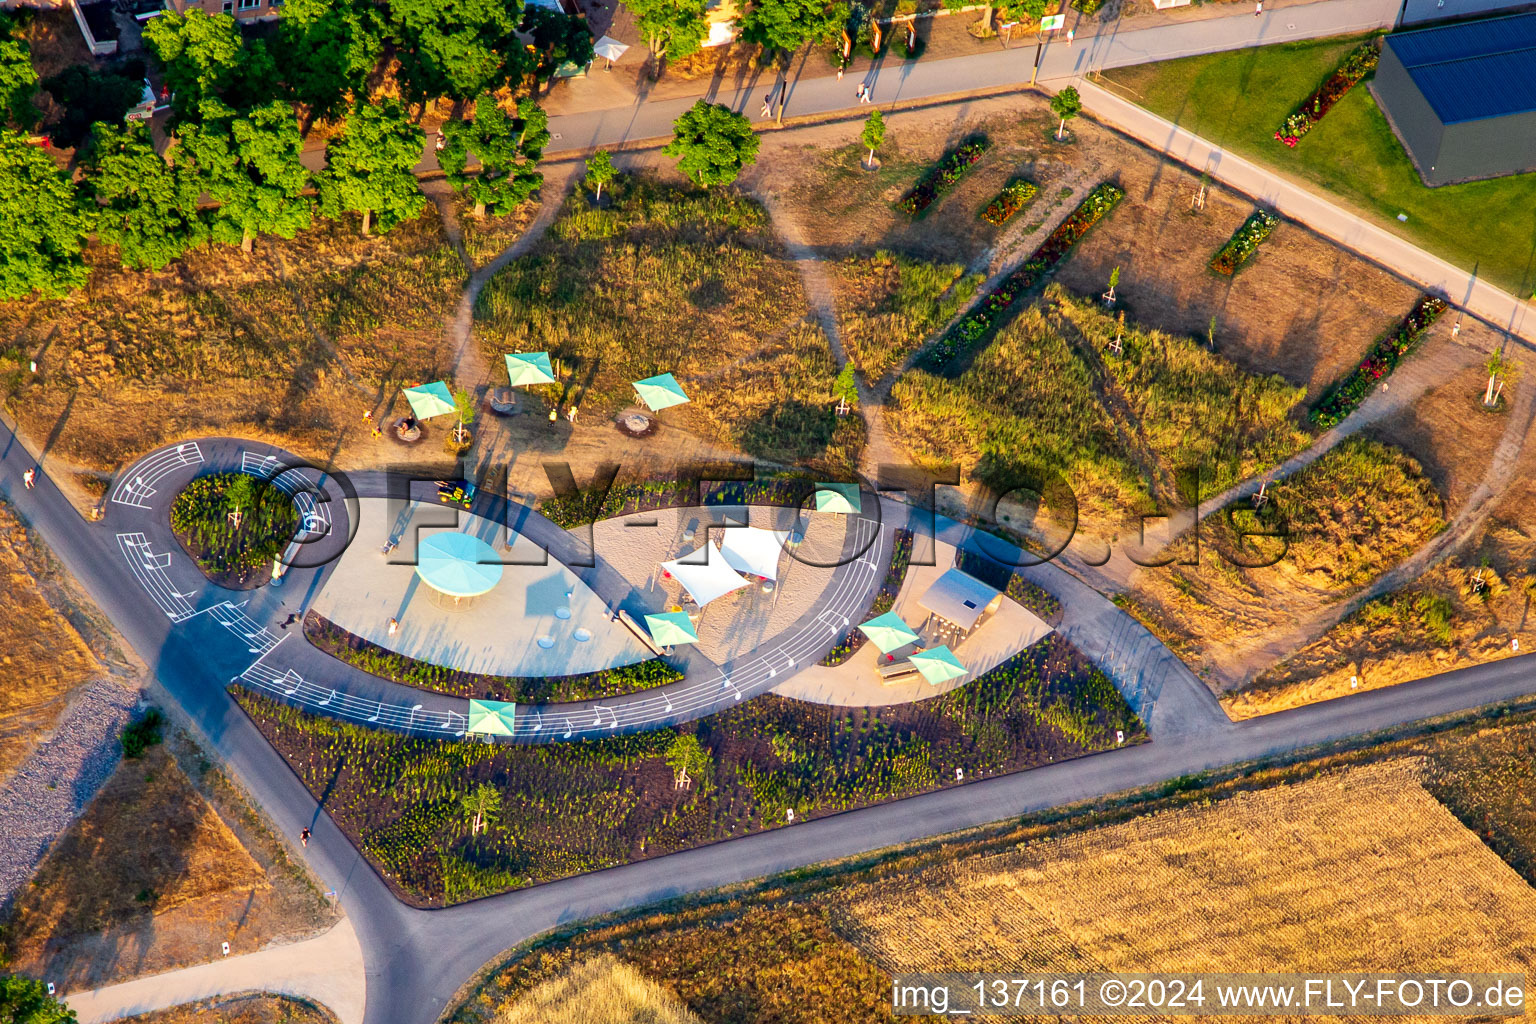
(327, 969)
(1300, 203)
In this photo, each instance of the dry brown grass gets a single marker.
(1354, 513)
(598, 991)
(43, 657)
(256, 1008)
(1355, 871)
(167, 862)
(289, 343)
(888, 305)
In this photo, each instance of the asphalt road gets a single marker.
(416, 960)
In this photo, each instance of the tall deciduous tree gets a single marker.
(712, 144)
(26, 1001)
(672, 28)
(1066, 105)
(787, 25)
(198, 53)
(329, 47)
(508, 149)
(369, 168)
(250, 165)
(145, 207)
(557, 38)
(459, 49)
(42, 226)
(18, 83)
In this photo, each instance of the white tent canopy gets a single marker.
(752, 550)
(705, 582)
(609, 48)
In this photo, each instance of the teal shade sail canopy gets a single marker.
(888, 632)
(938, 665)
(529, 368)
(671, 628)
(660, 392)
(491, 717)
(428, 400)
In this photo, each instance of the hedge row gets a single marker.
(942, 176)
(1346, 395)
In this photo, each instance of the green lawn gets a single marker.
(1239, 98)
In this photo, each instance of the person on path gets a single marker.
(1070, 33)
(1258, 8)
(767, 108)
(304, 837)
(863, 93)
(394, 626)
(29, 478)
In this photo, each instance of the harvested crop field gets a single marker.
(166, 863)
(45, 657)
(1356, 871)
(289, 344)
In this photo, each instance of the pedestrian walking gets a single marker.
(441, 142)
(1070, 33)
(29, 478)
(767, 105)
(394, 626)
(304, 837)
(863, 93)
(840, 72)
(1258, 8)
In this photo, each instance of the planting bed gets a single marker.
(1245, 241)
(885, 597)
(239, 558)
(986, 315)
(356, 651)
(568, 808)
(1354, 69)
(588, 505)
(942, 176)
(1343, 397)
(1015, 196)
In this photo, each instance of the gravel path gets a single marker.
(59, 778)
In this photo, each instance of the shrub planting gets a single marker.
(233, 525)
(590, 505)
(1355, 67)
(1231, 258)
(986, 315)
(568, 808)
(1015, 196)
(359, 653)
(885, 597)
(942, 176)
(1345, 395)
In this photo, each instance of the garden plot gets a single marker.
(1359, 871)
(573, 807)
(224, 343)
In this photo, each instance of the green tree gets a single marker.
(873, 134)
(459, 49)
(145, 207)
(328, 49)
(688, 759)
(464, 410)
(45, 227)
(26, 1001)
(672, 28)
(845, 386)
(198, 53)
(1066, 105)
(786, 25)
(18, 83)
(508, 149)
(557, 38)
(369, 168)
(250, 166)
(600, 172)
(480, 806)
(712, 144)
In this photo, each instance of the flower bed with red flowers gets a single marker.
(1229, 259)
(942, 176)
(1015, 196)
(1360, 62)
(981, 319)
(1345, 396)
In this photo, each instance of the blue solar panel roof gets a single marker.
(1475, 69)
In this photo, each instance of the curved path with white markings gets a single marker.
(196, 638)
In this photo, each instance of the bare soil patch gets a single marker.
(255, 1008)
(166, 863)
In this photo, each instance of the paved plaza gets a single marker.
(539, 620)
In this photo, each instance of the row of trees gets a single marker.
(249, 164)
